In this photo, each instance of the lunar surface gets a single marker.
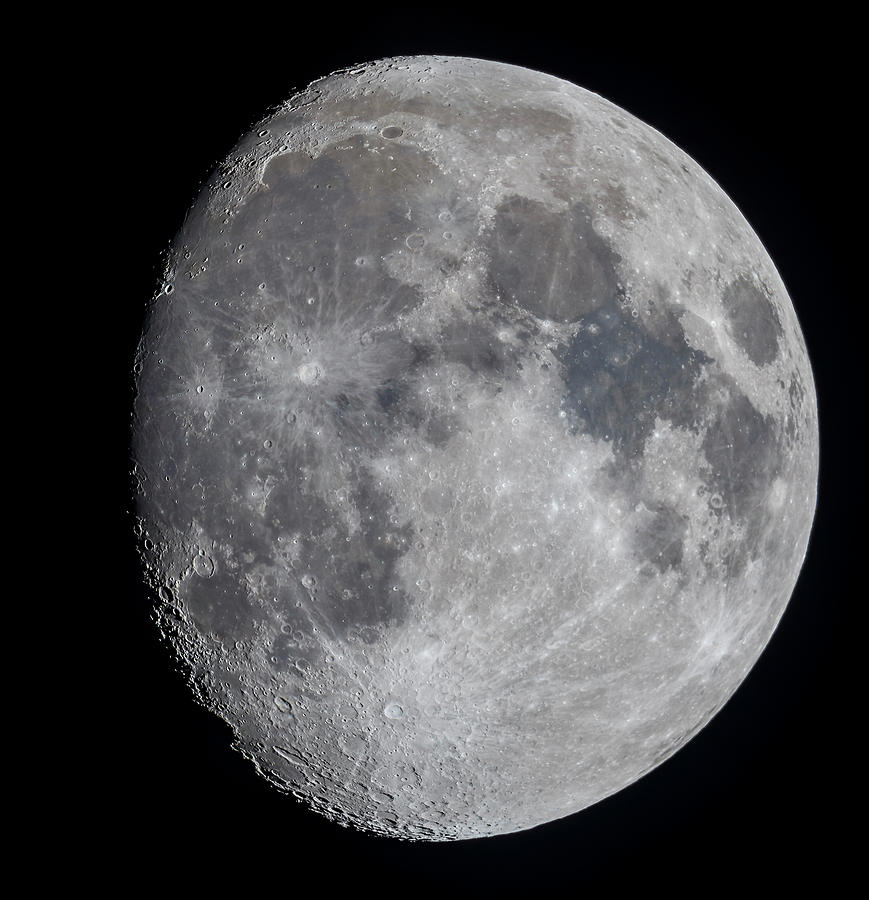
(475, 447)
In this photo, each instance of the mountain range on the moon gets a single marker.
(476, 447)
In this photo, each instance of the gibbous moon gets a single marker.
(475, 445)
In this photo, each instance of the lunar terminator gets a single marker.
(475, 447)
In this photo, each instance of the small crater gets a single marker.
(353, 745)
(203, 565)
(393, 711)
(415, 241)
(391, 132)
(310, 373)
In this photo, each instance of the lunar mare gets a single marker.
(475, 447)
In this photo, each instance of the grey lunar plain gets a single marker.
(475, 444)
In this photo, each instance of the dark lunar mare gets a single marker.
(619, 376)
(576, 273)
(754, 322)
(193, 474)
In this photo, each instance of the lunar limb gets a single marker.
(475, 447)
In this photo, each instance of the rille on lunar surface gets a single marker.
(475, 447)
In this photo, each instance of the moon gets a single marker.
(475, 447)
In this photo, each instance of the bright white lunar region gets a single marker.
(475, 447)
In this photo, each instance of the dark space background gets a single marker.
(762, 798)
